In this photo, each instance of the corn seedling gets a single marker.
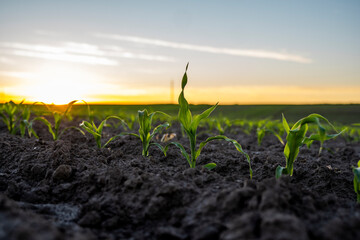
(352, 133)
(221, 124)
(260, 131)
(264, 127)
(26, 124)
(96, 131)
(296, 138)
(10, 114)
(16, 117)
(190, 124)
(246, 126)
(131, 121)
(356, 172)
(58, 117)
(145, 135)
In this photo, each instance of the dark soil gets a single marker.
(69, 189)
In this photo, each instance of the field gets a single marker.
(342, 113)
(73, 186)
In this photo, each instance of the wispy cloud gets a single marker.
(67, 57)
(78, 53)
(69, 52)
(115, 51)
(228, 51)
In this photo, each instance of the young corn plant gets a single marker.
(58, 117)
(190, 124)
(145, 135)
(96, 131)
(352, 133)
(222, 124)
(9, 113)
(296, 137)
(131, 119)
(356, 172)
(246, 125)
(16, 117)
(26, 124)
(260, 131)
(265, 127)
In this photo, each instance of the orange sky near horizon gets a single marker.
(249, 95)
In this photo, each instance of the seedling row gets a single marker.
(20, 119)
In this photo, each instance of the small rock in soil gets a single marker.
(63, 172)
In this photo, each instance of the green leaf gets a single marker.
(72, 127)
(184, 113)
(184, 79)
(276, 135)
(182, 150)
(198, 118)
(233, 141)
(22, 127)
(89, 128)
(69, 106)
(279, 171)
(48, 124)
(31, 130)
(260, 135)
(210, 166)
(160, 147)
(356, 181)
(285, 124)
(159, 128)
(114, 137)
(308, 142)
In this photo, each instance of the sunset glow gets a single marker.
(132, 53)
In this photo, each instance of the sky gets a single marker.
(135, 52)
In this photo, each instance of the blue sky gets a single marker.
(129, 51)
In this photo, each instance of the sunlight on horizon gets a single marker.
(248, 95)
(59, 85)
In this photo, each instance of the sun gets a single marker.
(58, 85)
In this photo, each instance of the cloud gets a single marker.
(69, 52)
(78, 53)
(208, 49)
(115, 51)
(67, 57)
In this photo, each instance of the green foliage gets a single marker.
(246, 125)
(190, 124)
(131, 119)
(145, 135)
(352, 132)
(210, 166)
(16, 117)
(57, 117)
(220, 124)
(264, 127)
(96, 131)
(356, 172)
(296, 137)
(9, 113)
(26, 124)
